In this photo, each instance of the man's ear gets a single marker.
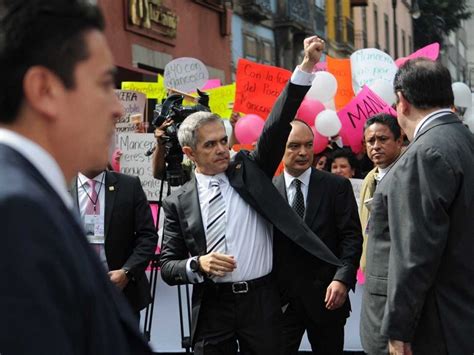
(189, 153)
(403, 103)
(43, 91)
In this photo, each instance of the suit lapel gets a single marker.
(75, 196)
(111, 186)
(189, 203)
(315, 193)
(280, 186)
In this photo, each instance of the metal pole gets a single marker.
(395, 34)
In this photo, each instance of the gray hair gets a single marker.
(187, 133)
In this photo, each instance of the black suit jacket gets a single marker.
(250, 175)
(331, 212)
(130, 235)
(56, 299)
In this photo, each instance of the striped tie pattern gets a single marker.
(215, 230)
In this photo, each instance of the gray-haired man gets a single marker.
(223, 218)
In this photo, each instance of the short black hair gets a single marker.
(49, 33)
(345, 153)
(387, 120)
(424, 83)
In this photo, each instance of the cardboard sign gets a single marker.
(369, 65)
(258, 87)
(431, 51)
(151, 90)
(341, 69)
(134, 162)
(133, 103)
(221, 100)
(353, 116)
(186, 74)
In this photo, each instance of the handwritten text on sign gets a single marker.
(132, 102)
(151, 90)
(186, 74)
(258, 87)
(134, 162)
(365, 105)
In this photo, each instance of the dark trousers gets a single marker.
(252, 319)
(325, 338)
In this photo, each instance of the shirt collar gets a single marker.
(205, 180)
(41, 160)
(304, 177)
(429, 117)
(82, 179)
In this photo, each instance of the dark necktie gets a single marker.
(298, 200)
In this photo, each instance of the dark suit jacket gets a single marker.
(331, 213)
(130, 235)
(56, 298)
(420, 248)
(250, 175)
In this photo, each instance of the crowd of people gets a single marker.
(269, 257)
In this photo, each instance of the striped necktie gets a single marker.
(215, 230)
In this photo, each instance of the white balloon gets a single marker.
(384, 89)
(228, 128)
(330, 105)
(469, 119)
(323, 87)
(327, 123)
(462, 95)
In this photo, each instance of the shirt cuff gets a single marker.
(193, 277)
(300, 77)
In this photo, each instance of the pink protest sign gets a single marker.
(431, 51)
(356, 112)
(211, 84)
(320, 66)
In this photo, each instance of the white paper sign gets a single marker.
(357, 186)
(186, 74)
(370, 64)
(134, 162)
(133, 103)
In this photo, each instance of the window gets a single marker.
(376, 26)
(387, 33)
(258, 49)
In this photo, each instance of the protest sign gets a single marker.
(211, 84)
(151, 90)
(258, 87)
(356, 112)
(221, 100)
(370, 64)
(133, 104)
(430, 51)
(134, 162)
(341, 69)
(186, 74)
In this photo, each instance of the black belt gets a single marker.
(241, 286)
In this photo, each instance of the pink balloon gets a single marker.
(248, 128)
(320, 142)
(308, 110)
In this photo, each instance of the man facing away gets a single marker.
(118, 224)
(57, 118)
(418, 294)
(383, 141)
(223, 218)
(314, 295)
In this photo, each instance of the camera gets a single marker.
(172, 108)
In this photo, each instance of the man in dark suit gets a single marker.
(314, 296)
(58, 113)
(418, 293)
(223, 218)
(124, 235)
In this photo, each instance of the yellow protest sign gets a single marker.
(221, 100)
(151, 90)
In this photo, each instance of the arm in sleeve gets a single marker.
(349, 234)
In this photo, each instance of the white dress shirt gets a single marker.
(430, 117)
(291, 188)
(41, 160)
(84, 191)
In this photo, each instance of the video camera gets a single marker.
(172, 108)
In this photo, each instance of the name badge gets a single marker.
(94, 227)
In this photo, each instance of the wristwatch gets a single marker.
(127, 273)
(194, 264)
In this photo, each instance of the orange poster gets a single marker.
(258, 87)
(341, 69)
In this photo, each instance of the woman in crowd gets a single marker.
(343, 163)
